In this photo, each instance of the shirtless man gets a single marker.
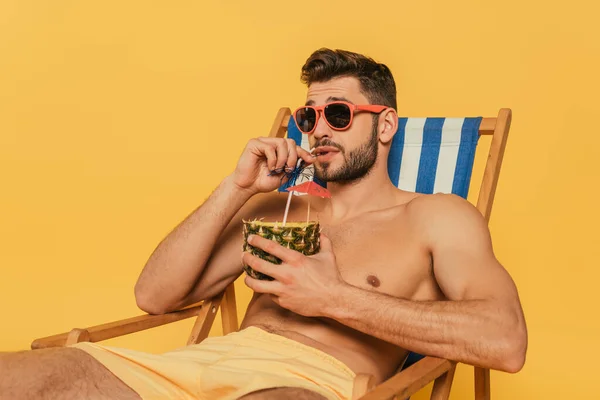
(397, 271)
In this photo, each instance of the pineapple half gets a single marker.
(300, 236)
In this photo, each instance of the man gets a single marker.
(397, 272)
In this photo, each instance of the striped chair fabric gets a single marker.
(427, 155)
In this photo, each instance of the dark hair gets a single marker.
(376, 80)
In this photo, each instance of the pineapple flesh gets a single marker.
(300, 236)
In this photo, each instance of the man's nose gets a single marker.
(322, 129)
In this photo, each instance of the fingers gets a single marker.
(283, 154)
(292, 154)
(281, 151)
(271, 155)
(260, 265)
(276, 151)
(296, 152)
(286, 255)
(305, 155)
(272, 287)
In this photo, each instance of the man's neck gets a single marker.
(374, 192)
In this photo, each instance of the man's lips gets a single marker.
(324, 154)
(323, 150)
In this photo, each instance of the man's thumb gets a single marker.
(325, 243)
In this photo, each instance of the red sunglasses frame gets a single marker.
(320, 110)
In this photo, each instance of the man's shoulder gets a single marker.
(441, 210)
(439, 203)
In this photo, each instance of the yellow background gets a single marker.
(117, 118)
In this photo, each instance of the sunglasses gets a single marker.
(338, 115)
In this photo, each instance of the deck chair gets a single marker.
(428, 155)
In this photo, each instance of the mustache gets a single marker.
(327, 142)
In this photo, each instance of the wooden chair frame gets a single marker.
(402, 385)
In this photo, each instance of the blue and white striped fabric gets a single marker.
(434, 155)
(427, 155)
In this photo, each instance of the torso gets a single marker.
(375, 251)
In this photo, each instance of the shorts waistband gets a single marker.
(268, 337)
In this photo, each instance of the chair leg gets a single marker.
(442, 385)
(482, 384)
(205, 319)
(229, 311)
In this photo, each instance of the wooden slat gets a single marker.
(494, 164)
(362, 384)
(412, 379)
(205, 319)
(229, 310)
(487, 127)
(487, 192)
(482, 384)
(78, 336)
(286, 120)
(442, 385)
(119, 328)
(280, 124)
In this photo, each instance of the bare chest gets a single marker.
(381, 257)
(378, 251)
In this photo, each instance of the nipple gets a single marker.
(373, 281)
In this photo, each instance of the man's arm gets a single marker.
(481, 323)
(201, 256)
(174, 268)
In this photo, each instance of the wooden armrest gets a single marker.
(408, 382)
(118, 328)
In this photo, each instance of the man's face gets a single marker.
(353, 151)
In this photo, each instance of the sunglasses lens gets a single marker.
(338, 115)
(306, 117)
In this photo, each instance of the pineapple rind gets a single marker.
(299, 236)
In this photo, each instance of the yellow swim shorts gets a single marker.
(227, 367)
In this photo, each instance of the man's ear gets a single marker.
(388, 125)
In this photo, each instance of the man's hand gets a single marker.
(303, 284)
(254, 172)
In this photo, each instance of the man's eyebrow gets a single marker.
(329, 99)
(338, 99)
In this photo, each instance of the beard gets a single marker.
(357, 163)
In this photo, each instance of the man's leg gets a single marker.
(283, 393)
(61, 373)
